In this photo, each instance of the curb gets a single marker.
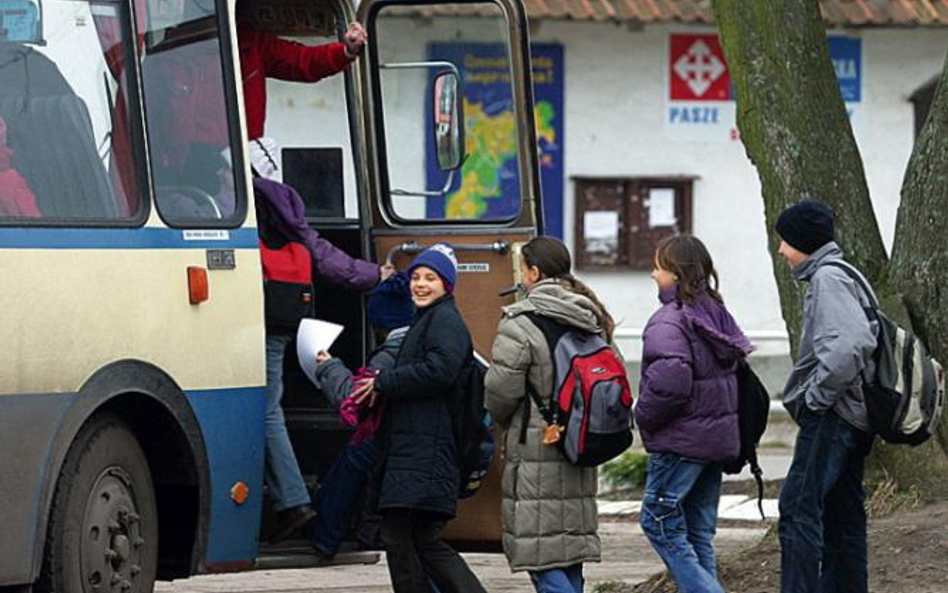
(732, 507)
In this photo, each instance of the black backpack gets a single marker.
(905, 396)
(753, 410)
(473, 428)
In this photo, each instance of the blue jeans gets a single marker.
(822, 518)
(559, 580)
(679, 517)
(283, 477)
(339, 495)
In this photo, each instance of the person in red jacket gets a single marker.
(188, 113)
(16, 197)
(265, 56)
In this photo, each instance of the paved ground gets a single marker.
(626, 557)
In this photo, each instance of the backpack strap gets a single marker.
(552, 331)
(758, 474)
(872, 311)
(858, 279)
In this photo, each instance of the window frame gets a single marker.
(393, 219)
(237, 220)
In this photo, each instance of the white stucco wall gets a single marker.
(615, 92)
(616, 85)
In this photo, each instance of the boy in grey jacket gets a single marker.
(822, 518)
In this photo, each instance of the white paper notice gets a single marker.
(601, 224)
(661, 207)
(313, 336)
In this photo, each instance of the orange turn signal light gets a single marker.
(197, 285)
(239, 493)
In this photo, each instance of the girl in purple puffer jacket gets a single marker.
(687, 410)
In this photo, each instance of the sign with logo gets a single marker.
(699, 72)
(700, 97)
(700, 104)
(846, 54)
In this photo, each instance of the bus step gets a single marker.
(304, 558)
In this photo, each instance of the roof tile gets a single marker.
(835, 12)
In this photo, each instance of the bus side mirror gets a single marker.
(448, 121)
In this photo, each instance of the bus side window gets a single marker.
(61, 128)
(188, 124)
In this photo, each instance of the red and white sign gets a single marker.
(698, 71)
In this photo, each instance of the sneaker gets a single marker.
(291, 519)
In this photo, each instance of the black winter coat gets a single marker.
(421, 468)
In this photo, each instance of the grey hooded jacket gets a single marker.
(837, 342)
(548, 511)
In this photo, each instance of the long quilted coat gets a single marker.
(549, 505)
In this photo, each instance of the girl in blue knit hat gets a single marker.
(420, 478)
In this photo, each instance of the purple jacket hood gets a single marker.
(712, 322)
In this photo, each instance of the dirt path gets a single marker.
(908, 553)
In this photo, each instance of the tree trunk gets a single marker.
(919, 273)
(796, 132)
(795, 129)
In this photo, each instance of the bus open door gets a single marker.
(394, 155)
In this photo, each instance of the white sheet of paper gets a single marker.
(312, 336)
(661, 207)
(601, 224)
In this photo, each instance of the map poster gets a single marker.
(489, 180)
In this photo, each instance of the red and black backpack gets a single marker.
(589, 413)
(287, 278)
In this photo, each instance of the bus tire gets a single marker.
(103, 526)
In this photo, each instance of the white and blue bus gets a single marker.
(131, 307)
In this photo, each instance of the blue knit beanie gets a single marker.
(390, 303)
(440, 258)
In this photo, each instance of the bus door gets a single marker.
(310, 134)
(451, 154)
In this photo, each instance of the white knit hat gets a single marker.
(263, 153)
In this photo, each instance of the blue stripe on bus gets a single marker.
(139, 238)
(232, 421)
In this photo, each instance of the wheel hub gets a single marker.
(111, 548)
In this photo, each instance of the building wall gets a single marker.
(616, 81)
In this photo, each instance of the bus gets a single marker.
(132, 392)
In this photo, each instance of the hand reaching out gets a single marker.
(385, 271)
(322, 356)
(354, 39)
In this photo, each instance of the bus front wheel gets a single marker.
(103, 527)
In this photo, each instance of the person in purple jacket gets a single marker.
(687, 411)
(282, 211)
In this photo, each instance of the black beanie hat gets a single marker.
(806, 226)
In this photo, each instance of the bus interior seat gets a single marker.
(50, 130)
(55, 152)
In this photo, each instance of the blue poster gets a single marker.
(846, 54)
(488, 185)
